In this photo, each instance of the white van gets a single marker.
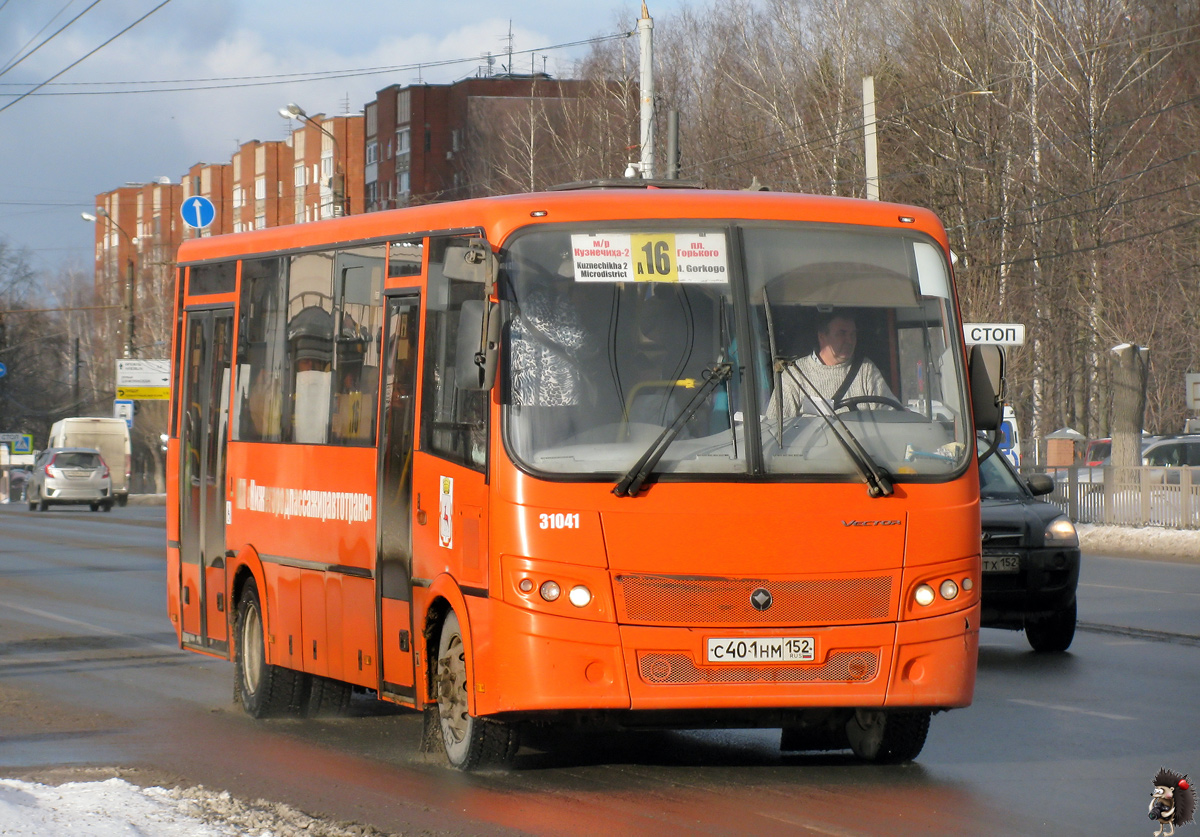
(110, 436)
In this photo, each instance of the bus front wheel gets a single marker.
(469, 741)
(887, 737)
(263, 689)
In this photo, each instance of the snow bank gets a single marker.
(1141, 542)
(115, 808)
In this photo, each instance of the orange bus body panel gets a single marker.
(640, 642)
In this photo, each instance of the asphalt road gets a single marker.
(1067, 744)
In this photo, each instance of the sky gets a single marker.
(74, 138)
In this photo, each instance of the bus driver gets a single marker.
(832, 369)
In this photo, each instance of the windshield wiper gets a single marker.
(632, 482)
(879, 482)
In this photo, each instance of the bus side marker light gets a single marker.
(580, 596)
(924, 595)
(967, 583)
(949, 589)
(550, 591)
(526, 585)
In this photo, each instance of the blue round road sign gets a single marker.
(3, 370)
(197, 211)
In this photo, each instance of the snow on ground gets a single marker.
(1141, 542)
(116, 808)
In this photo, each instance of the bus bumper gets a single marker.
(540, 662)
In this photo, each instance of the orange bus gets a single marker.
(522, 459)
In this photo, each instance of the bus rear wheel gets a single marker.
(264, 690)
(887, 737)
(469, 741)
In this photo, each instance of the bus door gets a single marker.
(207, 365)
(394, 507)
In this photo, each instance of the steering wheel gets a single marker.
(854, 401)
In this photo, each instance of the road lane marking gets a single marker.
(1125, 589)
(54, 617)
(1060, 708)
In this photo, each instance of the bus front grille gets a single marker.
(672, 667)
(697, 600)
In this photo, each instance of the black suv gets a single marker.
(1030, 557)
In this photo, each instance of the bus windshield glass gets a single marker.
(829, 345)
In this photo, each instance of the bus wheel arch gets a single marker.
(264, 690)
(467, 740)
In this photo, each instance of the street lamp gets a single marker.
(294, 111)
(129, 272)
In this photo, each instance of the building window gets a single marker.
(455, 140)
(298, 174)
(260, 188)
(402, 140)
(428, 140)
(239, 197)
(402, 183)
(372, 152)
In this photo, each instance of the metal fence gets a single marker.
(1144, 496)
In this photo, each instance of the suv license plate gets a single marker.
(1001, 563)
(762, 649)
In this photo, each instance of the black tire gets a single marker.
(888, 737)
(106, 506)
(327, 698)
(122, 499)
(469, 741)
(94, 507)
(264, 690)
(42, 504)
(1052, 634)
(32, 502)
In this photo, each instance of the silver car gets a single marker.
(70, 475)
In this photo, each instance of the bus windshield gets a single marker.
(613, 333)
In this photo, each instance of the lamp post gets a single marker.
(130, 266)
(338, 185)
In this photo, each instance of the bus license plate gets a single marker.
(762, 649)
(1001, 563)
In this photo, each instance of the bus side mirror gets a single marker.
(476, 366)
(985, 370)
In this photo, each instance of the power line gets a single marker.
(232, 82)
(85, 57)
(51, 38)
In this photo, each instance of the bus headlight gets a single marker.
(580, 596)
(924, 595)
(949, 589)
(550, 591)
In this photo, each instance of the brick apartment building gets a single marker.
(418, 137)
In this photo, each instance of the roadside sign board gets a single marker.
(197, 211)
(995, 334)
(123, 409)
(145, 380)
(3, 370)
(17, 442)
(1193, 390)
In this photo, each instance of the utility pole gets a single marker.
(872, 152)
(646, 37)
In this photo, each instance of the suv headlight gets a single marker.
(1061, 532)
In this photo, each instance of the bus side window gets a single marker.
(262, 352)
(358, 319)
(453, 421)
(310, 347)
